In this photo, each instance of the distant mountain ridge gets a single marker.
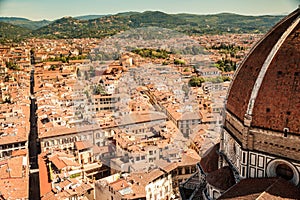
(11, 19)
(100, 26)
(25, 23)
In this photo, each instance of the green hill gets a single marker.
(25, 23)
(227, 22)
(102, 26)
(12, 33)
(69, 27)
(156, 18)
(60, 28)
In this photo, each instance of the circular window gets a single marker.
(284, 171)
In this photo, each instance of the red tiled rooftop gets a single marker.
(80, 145)
(59, 164)
(22, 152)
(119, 184)
(45, 185)
(14, 188)
(12, 168)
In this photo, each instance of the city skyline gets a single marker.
(51, 10)
(150, 105)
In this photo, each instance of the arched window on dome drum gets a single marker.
(284, 171)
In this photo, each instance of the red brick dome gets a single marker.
(266, 87)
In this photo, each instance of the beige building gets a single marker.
(155, 184)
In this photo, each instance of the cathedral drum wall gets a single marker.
(232, 150)
(276, 143)
(259, 162)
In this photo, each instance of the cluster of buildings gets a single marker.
(125, 129)
(161, 182)
(128, 135)
(134, 129)
(215, 43)
(14, 124)
(147, 37)
(228, 49)
(46, 49)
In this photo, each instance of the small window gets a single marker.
(285, 132)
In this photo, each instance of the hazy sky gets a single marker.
(54, 9)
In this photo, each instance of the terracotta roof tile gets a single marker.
(59, 164)
(45, 185)
(80, 145)
(22, 152)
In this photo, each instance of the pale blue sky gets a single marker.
(54, 9)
